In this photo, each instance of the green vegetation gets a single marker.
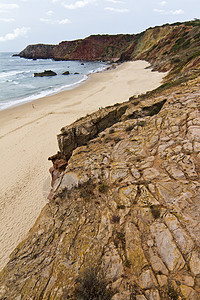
(91, 285)
(129, 128)
(103, 188)
(155, 211)
(87, 190)
(115, 219)
(111, 131)
(172, 293)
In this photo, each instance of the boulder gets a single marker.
(66, 73)
(45, 73)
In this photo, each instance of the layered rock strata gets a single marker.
(123, 217)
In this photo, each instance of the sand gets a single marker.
(28, 137)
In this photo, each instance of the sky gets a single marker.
(24, 22)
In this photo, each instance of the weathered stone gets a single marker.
(170, 255)
(135, 173)
(188, 292)
(157, 264)
(186, 280)
(112, 264)
(134, 249)
(162, 280)
(140, 297)
(182, 239)
(151, 173)
(152, 295)
(195, 263)
(147, 280)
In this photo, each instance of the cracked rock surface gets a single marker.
(125, 204)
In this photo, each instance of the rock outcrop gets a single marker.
(168, 47)
(123, 218)
(45, 73)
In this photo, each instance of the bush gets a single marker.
(155, 210)
(129, 128)
(103, 188)
(91, 285)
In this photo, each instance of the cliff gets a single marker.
(122, 220)
(168, 47)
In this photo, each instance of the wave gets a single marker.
(13, 73)
(41, 94)
(100, 69)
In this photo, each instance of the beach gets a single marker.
(28, 137)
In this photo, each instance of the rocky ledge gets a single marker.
(122, 220)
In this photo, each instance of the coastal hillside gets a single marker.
(122, 220)
(172, 47)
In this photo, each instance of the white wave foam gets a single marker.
(52, 91)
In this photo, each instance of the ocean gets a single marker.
(18, 84)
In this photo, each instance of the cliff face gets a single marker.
(122, 221)
(39, 51)
(168, 47)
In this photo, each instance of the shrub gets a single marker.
(111, 131)
(87, 190)
(129, 128)
(115, 219)
(155, 210)
(103, 188)
(91, 285)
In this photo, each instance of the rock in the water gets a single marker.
(45, 73)
(66, 73)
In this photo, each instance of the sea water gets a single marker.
(18, 84)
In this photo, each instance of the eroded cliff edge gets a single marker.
(123, 218)
(125, 204)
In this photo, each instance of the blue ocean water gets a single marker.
(18, 84)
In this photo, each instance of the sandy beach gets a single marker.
(28, 137)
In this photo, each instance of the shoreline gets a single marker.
(28, 137)
(51, 89)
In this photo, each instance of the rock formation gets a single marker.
(123, 218)
(166, 47)
(45, 73)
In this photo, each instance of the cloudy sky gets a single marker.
(24, 22)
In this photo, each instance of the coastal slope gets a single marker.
(171, 47)
(122, 221)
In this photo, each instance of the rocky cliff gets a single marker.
(166, 47)
(123, 216)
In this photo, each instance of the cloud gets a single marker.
(7, 20)
(118, 10)
(171, 12)
(64, 21)
(15, 34)
(4, 6)
(60, 22)
(49, 13)
(115, 1)
(162, 3)
(177, 12)
(78, 4)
